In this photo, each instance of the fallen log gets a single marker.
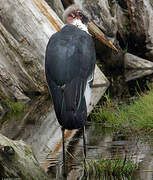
(17, 161)
(111, 20)
(141, 13)
(135, 73)
(57, 6)
(8, 80)
(25, 28)
(134, 62)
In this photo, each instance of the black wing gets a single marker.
(70, 60)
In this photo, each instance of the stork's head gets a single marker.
(74, 15)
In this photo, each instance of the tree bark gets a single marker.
(57, 6)
(17, 161)
(132, 74)
(134, 62)
(110, 18)
(136, 67)
(141, 13)
(25, 28)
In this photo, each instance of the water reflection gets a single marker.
(39, 128)
(102, 141)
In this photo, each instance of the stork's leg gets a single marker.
(84, 142)
(64, 162)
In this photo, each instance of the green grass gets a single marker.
(138, 115)
(99, 64)
(15, 107)
(118, 168)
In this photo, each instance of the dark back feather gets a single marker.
(70, 60)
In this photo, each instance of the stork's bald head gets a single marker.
(74, 13)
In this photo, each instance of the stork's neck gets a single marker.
(78, 23)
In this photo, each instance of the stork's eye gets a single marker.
(71, 15)
(79, 14)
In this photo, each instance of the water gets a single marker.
(108, 144)
(39, 128)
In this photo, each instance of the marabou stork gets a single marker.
(69, 67)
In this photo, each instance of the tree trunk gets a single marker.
(141, 13)
(25, 28)
(134, 62)
(57, 6)
(110, 18)
(17, 161)
(132, 74)
(136, 67)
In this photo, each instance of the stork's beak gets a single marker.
(95, 31)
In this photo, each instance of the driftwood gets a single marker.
(57, 6)
(141, 22)
(17, 161)
(25, 28)
(134, 62)
(8, 80)
(136, 67)
(136, 73)
(110, 18)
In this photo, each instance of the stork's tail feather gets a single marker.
(74, 119)
(69, 103)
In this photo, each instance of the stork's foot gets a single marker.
(100, 85)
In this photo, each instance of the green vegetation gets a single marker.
(99, 64)
(111, 169)
(137, 115)
(15, 107)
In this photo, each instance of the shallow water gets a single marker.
(39, 128)
(107, 144)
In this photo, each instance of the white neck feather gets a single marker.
(80, 25)
(87, 94)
